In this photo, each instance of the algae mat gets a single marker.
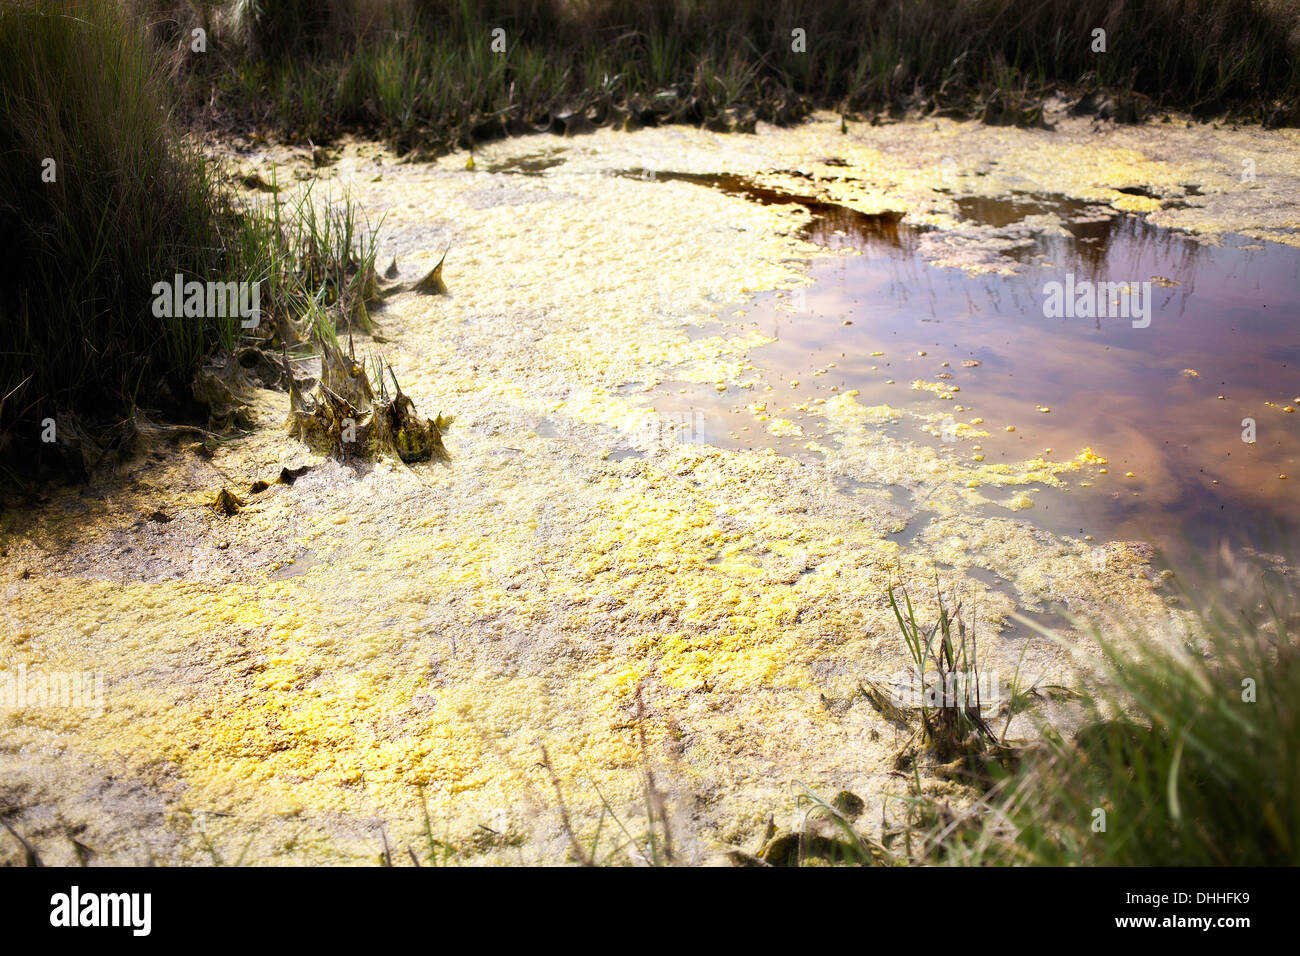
(302, 680)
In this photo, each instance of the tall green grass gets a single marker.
(315, 260)
(131, 204)
(422, 71)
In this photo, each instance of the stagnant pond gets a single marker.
(714, 397)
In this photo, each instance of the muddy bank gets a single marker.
(303, 673)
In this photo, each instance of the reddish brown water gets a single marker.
(1147, 399)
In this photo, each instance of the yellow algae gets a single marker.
(943, 391)
(1031, 471)
(1139, 204)
(947, 426)
(784, 428)
(845, 408)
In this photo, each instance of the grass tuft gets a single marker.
(1185, 753)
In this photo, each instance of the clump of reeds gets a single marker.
(316, 260)
(945, 664)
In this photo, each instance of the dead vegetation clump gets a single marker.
(226, 503)
(345, 417)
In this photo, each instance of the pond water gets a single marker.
(1169, 405)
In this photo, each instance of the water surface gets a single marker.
(1166, 405)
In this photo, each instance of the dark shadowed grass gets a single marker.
(103, 195)
(423, 72)
(130, 204)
